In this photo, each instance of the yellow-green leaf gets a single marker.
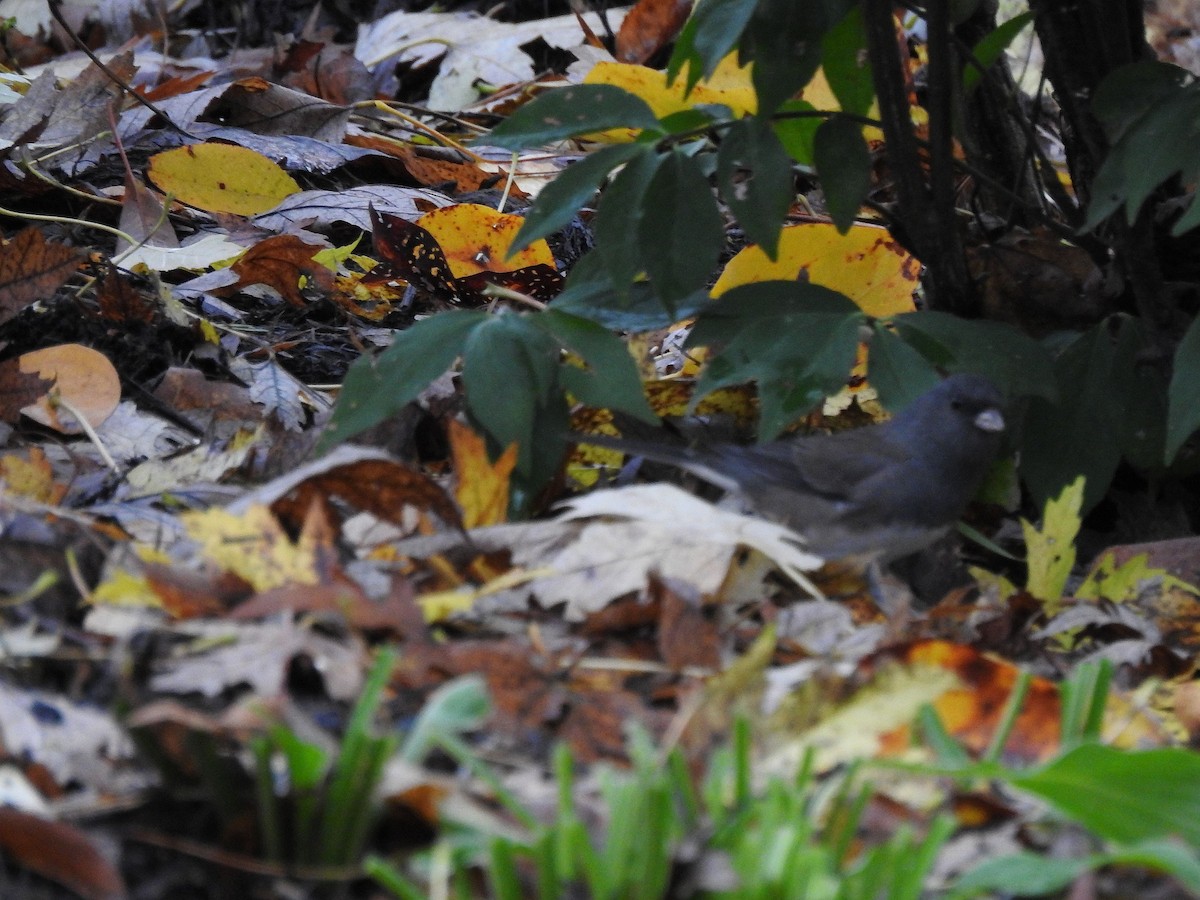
(221, 178)
(1050, 552)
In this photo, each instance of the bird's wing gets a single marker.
(841, 466)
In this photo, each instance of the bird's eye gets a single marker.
(956, 404)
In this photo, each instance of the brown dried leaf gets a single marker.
(378, 486)
(31, 269)
(18, 389)
(120, 300)
(280, 262)
(686, 638)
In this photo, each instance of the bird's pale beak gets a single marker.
(990, 420)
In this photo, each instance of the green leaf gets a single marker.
(784, 40)
(755, 175)
(566, 112)
(1183, 398)
(992, 46)
(1022, 874)
(1143, 433)
(796, 340)
(590, 294)
(611, 379)
(748, 304)
(844, 59)
(898, 372)
(510, 371)
(787, 393)
(377, 387)
(844, 166)
(1164, 856)
(695, 117)
(798, 135)
(456, 707)
(617, 220)
(1014, 361)
(1159, 146)
(560, 200)
(681, 231)
(709, 34)
(1078, 434)
(1123, 795)
(1130, 92)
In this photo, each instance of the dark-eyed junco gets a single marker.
(879, 492)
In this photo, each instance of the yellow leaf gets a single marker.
(477, 238)
(729, 84)
(482, 490)
(253, 546)
(1050, 551)
(123, 588)
(865, 264)
(1108, 581)
(221, 178)
(32, 477)
(440, 605)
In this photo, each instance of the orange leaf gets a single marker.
(972, 712)
(82, 377)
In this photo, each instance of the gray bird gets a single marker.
(874, 493)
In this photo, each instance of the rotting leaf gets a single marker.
(410, 253)
(31, 269)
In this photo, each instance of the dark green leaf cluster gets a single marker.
(660, 232)
(1151, 113)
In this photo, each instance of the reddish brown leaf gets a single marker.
(685, 636)
(32, 268)
(410, 254)
(60, 852)
(541, 282)
(173, 87)
(280, 262)
(186, 594)
(120, 301)
(378, 486)
(650, 26)
(395, 614)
